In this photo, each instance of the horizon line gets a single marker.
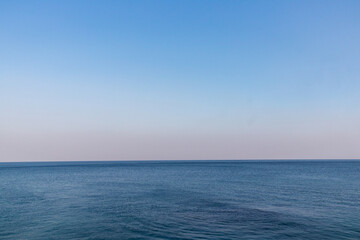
(190, 160)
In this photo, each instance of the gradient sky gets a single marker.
(125, 80)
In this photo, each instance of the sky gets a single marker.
(179, 80)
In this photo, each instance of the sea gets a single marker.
(180, 200)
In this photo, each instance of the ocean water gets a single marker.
(180, 200)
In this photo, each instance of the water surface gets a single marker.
(180, 200)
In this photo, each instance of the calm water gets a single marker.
(180, 200)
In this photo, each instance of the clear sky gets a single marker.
(125, 80)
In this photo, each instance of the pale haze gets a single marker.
(167, 80)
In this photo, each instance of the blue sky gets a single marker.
(124, 80)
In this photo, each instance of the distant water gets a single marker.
(180, 200)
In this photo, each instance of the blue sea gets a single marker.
(180, 200)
